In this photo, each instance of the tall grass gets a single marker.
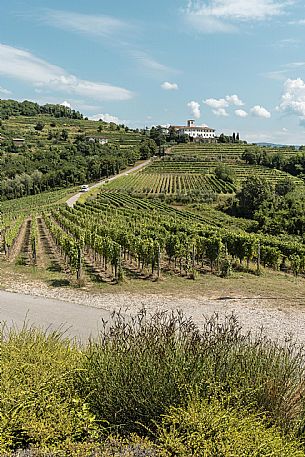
(140, 367)
(137, 374)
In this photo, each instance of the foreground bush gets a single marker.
(140, 367)
(38, 402)
(137, 378)
(212, 429)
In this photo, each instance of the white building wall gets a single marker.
(197, 133)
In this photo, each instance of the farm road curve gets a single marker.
(81, 311)
(77, 321)
(70, 202)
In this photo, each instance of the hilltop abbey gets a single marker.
(203, 134)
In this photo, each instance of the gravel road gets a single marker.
(83, 310)
(70, 202)
(75, 320)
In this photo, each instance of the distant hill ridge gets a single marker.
(276, 145)
(26, 108)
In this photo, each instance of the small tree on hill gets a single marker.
(254, 192)
(64, 135)
(157, 134)
(225, 173)
(285, 186)
(148, 148)
(39, 126)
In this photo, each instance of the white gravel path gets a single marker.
(253, 313)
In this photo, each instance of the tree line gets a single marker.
(292, 164)
(278, 208)
(30, 173)
(10, 108)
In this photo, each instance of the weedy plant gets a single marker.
(157, 376)
(141, 366)
(138, 367)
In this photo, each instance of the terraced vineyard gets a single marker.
(190, 169)
(24, 126)
(219, 152)
(175, 183)
(242, 171)
(117, 234)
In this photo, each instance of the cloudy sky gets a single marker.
(235, 65)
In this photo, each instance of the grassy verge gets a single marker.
(279, 288)
(151, 386)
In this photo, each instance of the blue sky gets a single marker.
(235, 65)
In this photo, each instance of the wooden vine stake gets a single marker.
(159, 263)
(79, 272)
(34, 251)
(258, 263)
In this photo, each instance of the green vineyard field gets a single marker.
(174, 183)
(191, 168)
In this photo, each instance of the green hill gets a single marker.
(50, 147)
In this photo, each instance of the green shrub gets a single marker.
(212, 429)
(38, 402)
(226, 268)
(56, 395)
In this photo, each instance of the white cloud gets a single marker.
(241, 113)
(260, 111)
(234, 100)
(219, 105)
(220, 112)
(216, 103)
(287, 43)
(212, 16)
(293, 98)
(20, 64)
(207, 24)
(195, 107)
(287, 69)
(295, 65)
(277, 75)
(223, 102)
(107, 118)
(4, 91)
(148, 62)
(298, 22)
(169, 86)
(117, 33)
(97, 25)
(66, 104)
